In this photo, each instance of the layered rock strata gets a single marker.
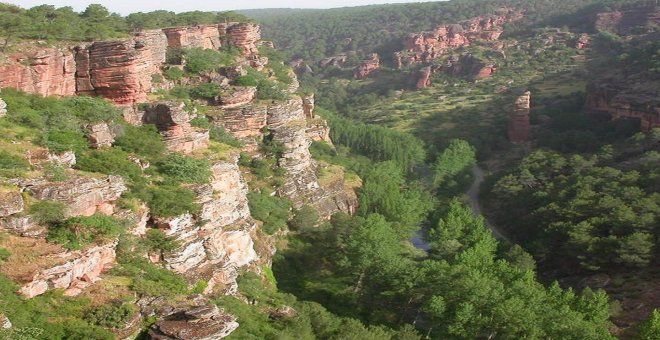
(120, 70)
(428, 46)
(173, 122)
(83, 196)
(617, 100)
(245, 36)
(205, 322)
(80, 270)
(216, 242)
(468, 66)
(519, 126)
(202, 36)
(46, 71)
(367, 67)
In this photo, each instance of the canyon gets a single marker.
(214, 244)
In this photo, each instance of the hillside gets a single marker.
(176, 176)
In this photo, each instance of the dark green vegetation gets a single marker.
(600, 211)
(77, 232)
(47, 22)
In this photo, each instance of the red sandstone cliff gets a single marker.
(47, 71)
(519, 126)
(427, 46)
(616, 101)
(120, 70)
(367, 66)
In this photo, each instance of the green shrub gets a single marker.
(185, 169)
(55, 172)
(216, 133)
(4, 254)
(61, 141)
(144, 141)
(247, 80)
(180, 92)
(174, 56)
(12, 165)
(111, 315)
(205, 91)
(170, 201)
(199, 60)
(91, 109)
(157, 240)
(273, 211)
(76, 232)
(173, 73)
(47, 211)
(305, 217)
(109, 161)
(147, 278)
(269, 90)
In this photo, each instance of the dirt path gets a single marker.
(473, 200)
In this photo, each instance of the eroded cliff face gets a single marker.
(173, 122)
(519, 126)
(120, 70)
(218, 241)
(46, 71)
(616, 100)
(367, 66)
(427, 46)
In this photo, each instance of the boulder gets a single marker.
(173, 122)
(38, 157)
(100, 135)
(11, 202)
(235, 96)
(3, 108)
(4, 322)
(206, 322)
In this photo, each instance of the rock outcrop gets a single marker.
(424, 79)
(46, 71)
(469, 67)
(80, 270)
(121, 70)
(427, 46)
(3, 108)
(236, 96)
(519, 126)
(627, 19)
(205, 322)
(335, 61)
(39, 157)
(83, 196)
(100, 135)
(245, 36)
(202, 36)
(617, 100)
(11, 202)
(173, 122)
(367, 66)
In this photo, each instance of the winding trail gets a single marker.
(473, 201)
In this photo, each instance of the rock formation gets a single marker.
(519, 126)
(582, 41)
(367, 66)
(100, 135)
(121, 70)
(469, 67)
(3, 108)
(618, 100)
(202, 36)
(79, 270)
(39, 157)
(205, 322)
(11, 202)
(236, 96)
(46, 71)
(335, 61)
(173, 122)
(627, 19)
(83, 196)
(244, 36)
(427, 46)
(424, 78)
(308, 106)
